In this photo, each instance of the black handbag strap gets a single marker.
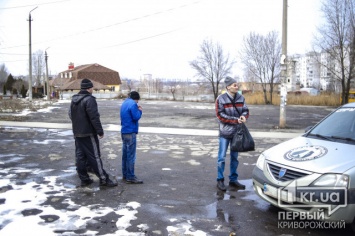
(233, 103)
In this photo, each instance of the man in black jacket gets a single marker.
(87, 129)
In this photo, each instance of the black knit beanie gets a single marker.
(86, 84)
(134, 95)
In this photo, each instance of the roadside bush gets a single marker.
(121, 96)
(23, 91)
(37, 95)
(11, 106)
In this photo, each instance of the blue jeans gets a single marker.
(129, 143)
(222, 152)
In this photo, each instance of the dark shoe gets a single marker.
(221, 186)
(108, 183)
(90, 170)
(236, 184)
(134, 181)
(86, 182)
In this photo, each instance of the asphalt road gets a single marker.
(192, 115)
(39, 189)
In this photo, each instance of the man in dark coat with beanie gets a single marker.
(87, 129)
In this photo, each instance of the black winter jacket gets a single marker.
(84, 115)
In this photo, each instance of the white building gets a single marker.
(303, 70)
(293, 73)
(309, 70)
(315, 70)
(331, 72)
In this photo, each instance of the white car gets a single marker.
(313, 174)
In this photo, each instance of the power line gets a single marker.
(115, 24)
(37, 4)
(13, 53)
(141, 17)
(133, 41)
(13, 61)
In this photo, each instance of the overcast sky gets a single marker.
(135, 37)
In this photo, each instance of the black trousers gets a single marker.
(87, 153)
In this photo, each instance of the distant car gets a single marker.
(313, 174)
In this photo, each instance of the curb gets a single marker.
(152, 130)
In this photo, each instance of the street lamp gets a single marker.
(30, 58)
(47, 83)
(283, 64)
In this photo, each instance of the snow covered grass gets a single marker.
(19, 105)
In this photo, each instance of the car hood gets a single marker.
(313, 155)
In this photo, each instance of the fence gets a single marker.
(98, 95)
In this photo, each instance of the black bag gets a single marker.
(242, 140)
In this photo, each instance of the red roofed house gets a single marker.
(106, 81)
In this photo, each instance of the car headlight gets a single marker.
(260, 162)
(332, 180)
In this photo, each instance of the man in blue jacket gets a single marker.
(130, 114)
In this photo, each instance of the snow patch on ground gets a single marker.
(31, 198)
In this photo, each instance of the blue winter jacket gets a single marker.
(130, 115)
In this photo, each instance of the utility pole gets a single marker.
(30, 59)
(47, 83)
(283, 63)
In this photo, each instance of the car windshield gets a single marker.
(338, 127)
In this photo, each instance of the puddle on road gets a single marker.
(65, 133)
(252, 196)
(11, 158)
(158, 152)
(216, 209)
(46, 142)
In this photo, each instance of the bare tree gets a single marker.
(261, 56)
(127, 84)
(212, 65)
(251, 78)
(174, 86)
(336, 38)
(3, 75)
(157, 85)
(38, 66)
(184, 88)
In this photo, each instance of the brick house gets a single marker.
(68, 82)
